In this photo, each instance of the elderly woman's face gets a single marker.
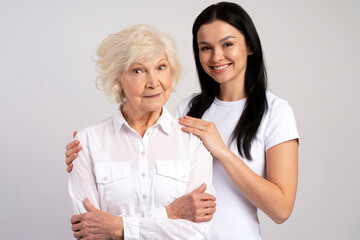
(147, 85)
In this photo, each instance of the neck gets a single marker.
(138, 120)
(232, 91)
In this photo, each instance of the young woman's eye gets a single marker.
(228, 44)
(205, 48)
(162, 67)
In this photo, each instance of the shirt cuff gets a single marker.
(131, 228)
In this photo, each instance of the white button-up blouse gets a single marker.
(136, 177)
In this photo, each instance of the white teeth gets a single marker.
(222, 67)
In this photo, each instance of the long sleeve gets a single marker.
(82, 179)
(155, 226)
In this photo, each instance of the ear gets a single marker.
(249, 49)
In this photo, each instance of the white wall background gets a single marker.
(47, 91)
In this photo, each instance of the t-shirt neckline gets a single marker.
(232, 103)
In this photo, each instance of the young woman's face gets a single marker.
(223, 51)
(147, 85)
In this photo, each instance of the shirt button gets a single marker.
(144, 196)
(143, 174)
(143, 153)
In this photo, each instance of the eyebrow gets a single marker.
(221, 40)
(141, 63)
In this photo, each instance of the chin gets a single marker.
(154, 108)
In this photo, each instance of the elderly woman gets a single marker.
(137, 162)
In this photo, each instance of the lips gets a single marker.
(221, 68)
(153, 96)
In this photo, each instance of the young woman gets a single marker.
(250, 132)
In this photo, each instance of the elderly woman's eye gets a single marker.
(137, 71)
(162, 67)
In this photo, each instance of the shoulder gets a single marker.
(94, 130)
(277, 105)
(183, 107)
(188, 139)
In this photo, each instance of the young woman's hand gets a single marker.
(207, 132)
(196, 206)
(96, 224)
(71, 153)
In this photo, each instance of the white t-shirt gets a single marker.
(136, 177)
(236, 217)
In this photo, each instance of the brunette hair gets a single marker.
(255, 75)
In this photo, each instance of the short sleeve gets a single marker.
(281, 126)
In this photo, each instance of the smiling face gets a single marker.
(223, 52)
(147, 85)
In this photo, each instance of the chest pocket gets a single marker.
(114, 183)
(171, 180)
(108, 172)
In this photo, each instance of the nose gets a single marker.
(217, 55)
(153, 80)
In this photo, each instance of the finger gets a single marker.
(69, 168)
(192, 123)
(76, 218)
(208, 204)
(206, 197)
(73, 150)
(199, 120)
(194, 131)
(72, 144)
(69, 159)
(74, 133)
(76, 227)
(210, 211)
(201, 188)
(78, 235)
(88, 206)
(201, 212)
(204, 218)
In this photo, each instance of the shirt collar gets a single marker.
(164, 121)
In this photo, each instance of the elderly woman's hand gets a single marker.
(71, 153)
(96, 224)
(196, 206)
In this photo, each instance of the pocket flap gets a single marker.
(178, 170)
(107, 172)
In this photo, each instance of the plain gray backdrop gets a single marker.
(47, 90)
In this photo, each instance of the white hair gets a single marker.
(119, 51)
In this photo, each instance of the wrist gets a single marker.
(118, 232)
(223, 153)
(169, 212)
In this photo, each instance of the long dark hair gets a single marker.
(255, 75)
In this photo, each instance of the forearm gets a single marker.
(164, 228)
(272, 198)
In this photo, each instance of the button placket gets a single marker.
(143, 165)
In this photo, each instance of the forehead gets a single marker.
(217, 30)
(150, 59)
